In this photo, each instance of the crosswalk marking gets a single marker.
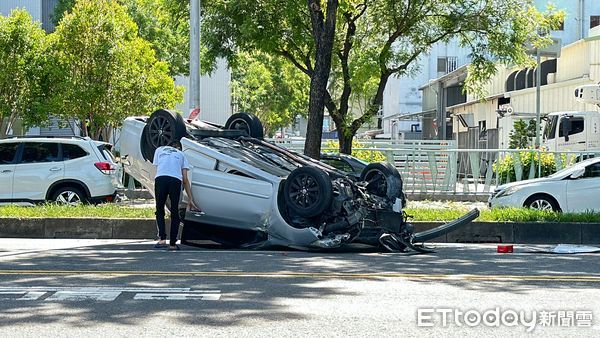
(104, 294)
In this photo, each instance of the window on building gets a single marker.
(594, 21)
(447, 64)
(441, 65)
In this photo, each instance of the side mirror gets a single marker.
(566, 128)
(578, 173)
(125, 160)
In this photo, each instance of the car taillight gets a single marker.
(105, 167)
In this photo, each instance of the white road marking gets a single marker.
(177, 296)
(106, 294)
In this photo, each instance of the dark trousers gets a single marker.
(167, 186)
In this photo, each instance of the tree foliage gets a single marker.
(522, 134)
(164, 23)
(377, 39)
(102, 71)
(270, 88)
(21, 58)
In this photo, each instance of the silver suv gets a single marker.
(69, 170)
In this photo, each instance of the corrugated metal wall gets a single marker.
(47, 11)
(34, 7)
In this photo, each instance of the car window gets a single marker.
(592, 170)
(38, 152)
(8, 152)
(576, 126)
(72, 151)
(338, 164)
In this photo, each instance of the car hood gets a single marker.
(525, 182)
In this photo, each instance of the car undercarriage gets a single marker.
(255, 194)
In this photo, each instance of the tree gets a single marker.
(376, 39)
(21, 59)
(102, 71)
(164, 23)
(522, 134)
(270, 88)
(323, 32)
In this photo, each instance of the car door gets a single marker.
(37, 168)
(582, 193)
(8, 152)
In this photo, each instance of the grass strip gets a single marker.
(418, 214)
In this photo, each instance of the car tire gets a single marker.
(308, 192)
(542, 202)
(246, 122)
(383, 180)
(69, 196)
(145, 147)
(163, 127)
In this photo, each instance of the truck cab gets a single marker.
(572, 131)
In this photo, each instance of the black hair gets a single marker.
(175, 144)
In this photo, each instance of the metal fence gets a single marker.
(433, 168)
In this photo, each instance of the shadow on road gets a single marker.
(263, 296)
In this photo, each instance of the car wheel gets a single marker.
(383, 180)
(146, 147)
(163, 127)
(308, 191)
(69, 196)
(542, 202)
(246, 122)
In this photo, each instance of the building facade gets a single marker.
(443, 59)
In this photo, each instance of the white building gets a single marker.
(402, 99)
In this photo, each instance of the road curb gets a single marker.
(519, 233)
(80, 228)
(144, 228)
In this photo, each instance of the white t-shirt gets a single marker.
(170, 162)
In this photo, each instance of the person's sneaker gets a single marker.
(173, 247)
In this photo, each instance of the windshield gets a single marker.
(572, 168)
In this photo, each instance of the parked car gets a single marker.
(573, 189)
(256, 194)
(68, 170)
(346, 163)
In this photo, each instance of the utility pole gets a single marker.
(194, 87)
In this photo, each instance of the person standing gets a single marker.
(171, 172)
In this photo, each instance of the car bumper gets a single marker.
(505, 201)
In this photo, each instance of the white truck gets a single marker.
(575, 130)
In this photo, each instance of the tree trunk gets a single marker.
(345, 139)
(323, 33)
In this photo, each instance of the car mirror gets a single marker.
(125, 160)
(578, 173)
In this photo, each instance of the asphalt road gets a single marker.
(73, 288)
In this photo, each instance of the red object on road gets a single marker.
(505, 248)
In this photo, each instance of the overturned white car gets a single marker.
(256, 194)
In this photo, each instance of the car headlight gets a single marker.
(509, 191)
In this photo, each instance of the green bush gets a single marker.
(505, 167)
(365, 154)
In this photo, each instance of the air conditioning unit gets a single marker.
(588, 94)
